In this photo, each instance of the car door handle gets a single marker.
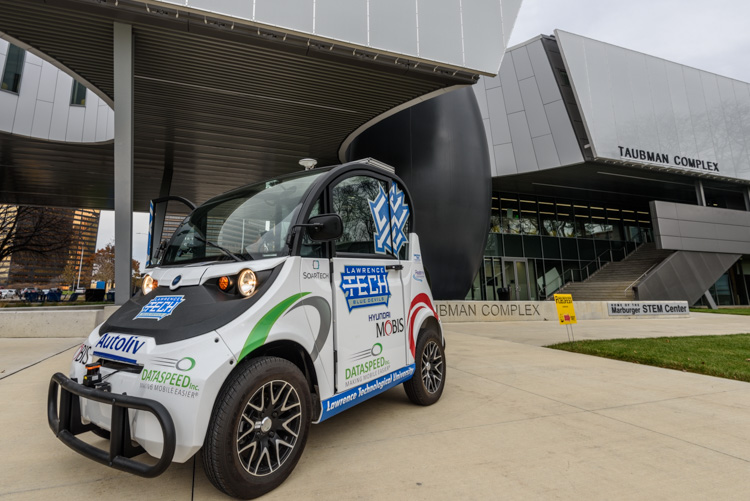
(395, 267)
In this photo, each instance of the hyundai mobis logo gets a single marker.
(365, 286)
(160, 307)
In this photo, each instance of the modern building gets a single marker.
(39, 100)
(26, 269)
(586, 162)
(212, 95)
(42, 103)
(600, 159)
(596, 150)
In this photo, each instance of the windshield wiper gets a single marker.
(222, 249)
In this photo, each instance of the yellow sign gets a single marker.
(565, 311)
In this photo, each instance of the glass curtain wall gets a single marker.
(553, 240)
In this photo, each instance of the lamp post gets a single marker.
(80, 265)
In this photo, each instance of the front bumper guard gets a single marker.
(67, 424)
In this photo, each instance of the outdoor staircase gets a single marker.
(614, 281)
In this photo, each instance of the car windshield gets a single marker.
(247, 223)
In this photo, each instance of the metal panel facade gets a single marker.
(702, 229)
(685, 276)
(42, 109)
(469, 34)
(529, 126)
(644, 110)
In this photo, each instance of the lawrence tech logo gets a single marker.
(399, 213)
(160, 307)
(365, 286)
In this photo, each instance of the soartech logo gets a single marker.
(127, 345)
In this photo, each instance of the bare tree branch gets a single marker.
(33, 230)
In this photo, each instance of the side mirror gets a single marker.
(324, 227)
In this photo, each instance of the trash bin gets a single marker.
(503, 294)
(94, 295)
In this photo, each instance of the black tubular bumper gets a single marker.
(68, 424)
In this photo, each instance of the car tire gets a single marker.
(258, 428)
(426, 386)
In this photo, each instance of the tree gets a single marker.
(69, 276)
(104, 264)
(33, 230)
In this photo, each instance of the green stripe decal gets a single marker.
(259, 334)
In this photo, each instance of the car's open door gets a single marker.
(164, 217)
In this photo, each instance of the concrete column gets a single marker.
(699, 194)
(123, 76)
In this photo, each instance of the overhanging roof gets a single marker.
(216, 106)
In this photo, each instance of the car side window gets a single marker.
(362, 203)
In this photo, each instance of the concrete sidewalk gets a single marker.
(516, 421)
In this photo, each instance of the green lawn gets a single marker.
(723, 311)
(722, 356)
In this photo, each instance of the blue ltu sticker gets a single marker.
(160, 307)
(365, 286)
(399, 212)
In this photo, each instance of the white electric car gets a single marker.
(271, 307)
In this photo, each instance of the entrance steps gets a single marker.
(614, 281)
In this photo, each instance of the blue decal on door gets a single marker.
(365, 286)
(399, 212)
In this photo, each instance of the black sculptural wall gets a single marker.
(439, 149)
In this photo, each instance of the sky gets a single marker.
(708, 35)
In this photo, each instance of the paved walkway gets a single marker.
(516, 421)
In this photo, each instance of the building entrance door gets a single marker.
(516, 279)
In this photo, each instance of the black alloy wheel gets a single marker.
(258, 428)
(426, 387)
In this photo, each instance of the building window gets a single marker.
(78, 94)
(13, 69)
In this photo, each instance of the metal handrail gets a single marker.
(562, 281)
(597, 260)
(643, 275)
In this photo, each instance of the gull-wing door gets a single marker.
(165, 214)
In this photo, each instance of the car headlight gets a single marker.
(148, 284)
(247, 282)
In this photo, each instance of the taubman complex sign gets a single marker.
(666, 159)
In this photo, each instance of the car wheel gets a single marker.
(258, 428)
(428, 382)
